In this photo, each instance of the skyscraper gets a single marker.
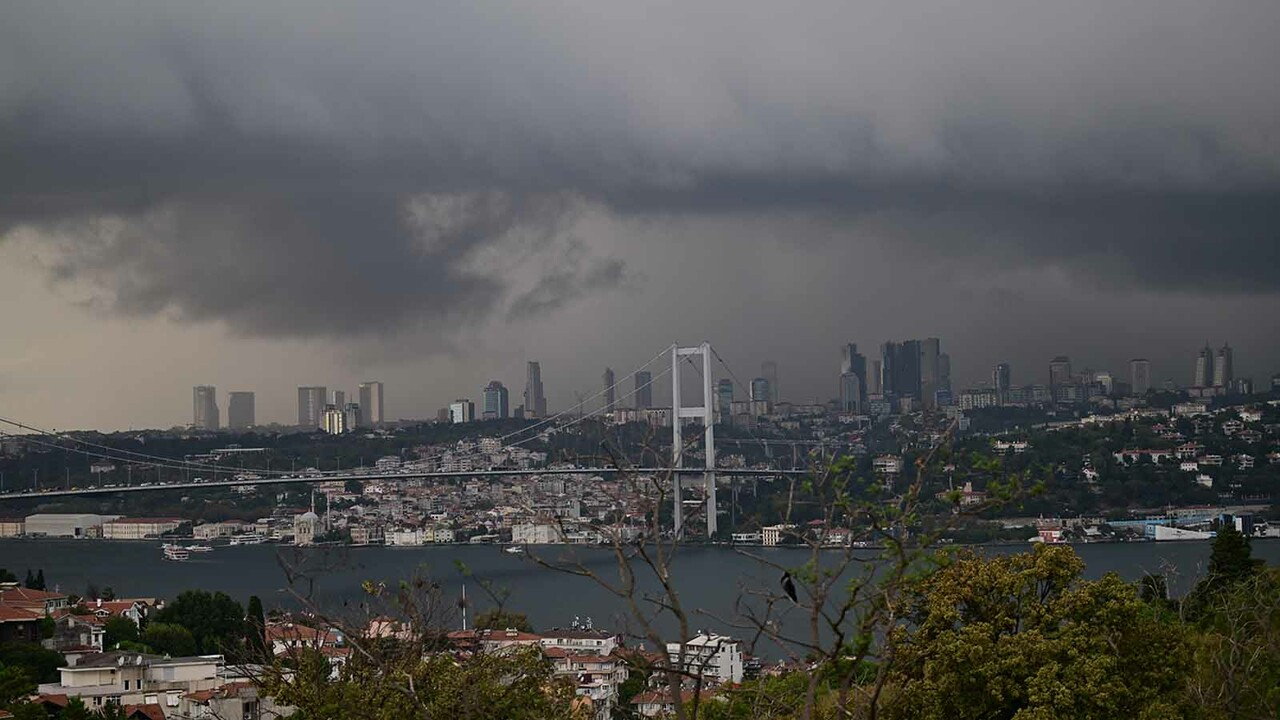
(760, 390)
(462, 410)
(1224, 371)
(853, 379)
(901, 369)
(535, 402)
(1059, 372)
(1140, 376)
(311, 402)
(875, 377)
(1002, 381)
(496, 401)
(769, 371)
(240, 410)
(205, 408)
(371, 403)
(339, 399)
(1204, 368)
(944, 372)
(724, 399)
(930, 377)
(644, 389)
(610, 390)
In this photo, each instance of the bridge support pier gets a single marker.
(707, 414)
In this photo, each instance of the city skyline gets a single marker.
(587, 188)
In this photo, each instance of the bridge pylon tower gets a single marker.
(707, 414)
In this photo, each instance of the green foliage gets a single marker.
(76, 710)
(28, 711)
(6, 576)
(214, 619)
(170, 639)
(498, 619)
(1237, 652)
(118, 629)
(40, 665)
(397, 685)
(1022, 636)
(15, 684)
(255, 631)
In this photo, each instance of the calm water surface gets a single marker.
(709, 579)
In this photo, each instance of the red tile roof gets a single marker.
(11, 613)
(151, 711)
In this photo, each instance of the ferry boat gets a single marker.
(175, 553)
(249, 539)
(199, 548)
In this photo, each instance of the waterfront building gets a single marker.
(240, 410)
(496, 401)
(371, 402)
(205, 408)
(311, 405)
(138, 528)
(74, 525)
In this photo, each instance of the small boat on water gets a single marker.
(175, 553)
(514, 550)
(199, 548)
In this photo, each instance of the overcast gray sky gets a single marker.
(259, 195)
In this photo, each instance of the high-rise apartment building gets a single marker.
(311, 405)
(339, 399)
(944, 372)
(535, 401)
(900, 372)
(930, 375)
(610, 390)
(853, 379)
(1224, 371)
(1059, 372)
(769, 371)
(1204, 368)
(724, 399)
(1139, 376)
(644, 389)
(205, 408)
(1002, 381)
(496, 401)
(371, 403)
(760, 390)
(875, 377)
(240, 410)
(462, 410)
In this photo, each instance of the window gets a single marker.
(126, 684)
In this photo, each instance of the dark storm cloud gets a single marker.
(241, 161)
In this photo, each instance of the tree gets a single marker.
(1237, 652)
(170, 639)
(1023, 636)
(499, 619)
(39, 582)
(6, 576)
(108, 593)
(214, 619)
(1231, 562)
(255, 630)
(15, 684)
(40, 665)
(118, 629)
(516, 684)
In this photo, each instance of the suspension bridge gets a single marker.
(679, 476)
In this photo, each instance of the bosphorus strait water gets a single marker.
(709, 579)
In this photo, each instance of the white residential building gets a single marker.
(714, 657)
